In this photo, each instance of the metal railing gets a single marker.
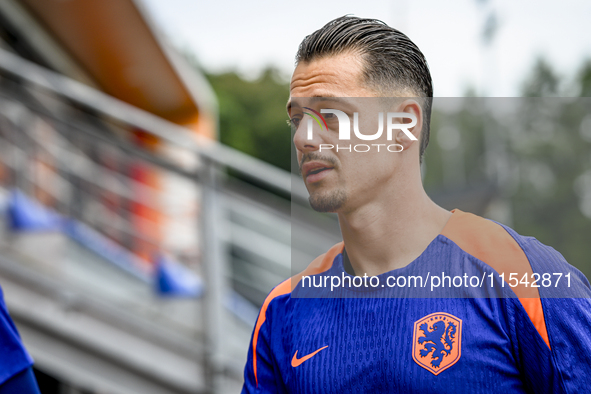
(68, 147)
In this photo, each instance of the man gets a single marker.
(385, 336)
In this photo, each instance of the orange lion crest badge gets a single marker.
(437, 342)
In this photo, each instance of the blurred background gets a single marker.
(147, 200)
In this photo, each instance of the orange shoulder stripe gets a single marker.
(320, 264)
(490, 243)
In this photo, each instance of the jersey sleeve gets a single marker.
(13, 356)
(561, 364)
(262, 373)
(265, 378)
(23, 382)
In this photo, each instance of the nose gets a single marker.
(307, 137)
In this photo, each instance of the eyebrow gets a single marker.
(316, 99)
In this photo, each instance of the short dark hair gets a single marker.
(392, 60)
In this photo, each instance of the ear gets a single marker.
(410, 106)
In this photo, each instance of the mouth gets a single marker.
(317, 170)
(314, 172)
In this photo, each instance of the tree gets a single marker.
(542, 82)
(253, 117)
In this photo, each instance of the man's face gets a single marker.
(337, 181)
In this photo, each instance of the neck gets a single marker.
(391, 230)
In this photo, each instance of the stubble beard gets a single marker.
(328, 202)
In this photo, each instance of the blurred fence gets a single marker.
(120, 191)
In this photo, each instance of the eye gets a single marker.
(295, 121)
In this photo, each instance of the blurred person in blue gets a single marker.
(16, 365)
(518, 334)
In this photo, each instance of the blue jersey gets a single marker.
(13, 356)
(505, 314)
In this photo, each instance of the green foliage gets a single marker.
(541, 150)
(553, 215)
(585, 79)
(542, 82)
(546, 204)
(253, 117)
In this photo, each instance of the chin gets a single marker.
(328, 202)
